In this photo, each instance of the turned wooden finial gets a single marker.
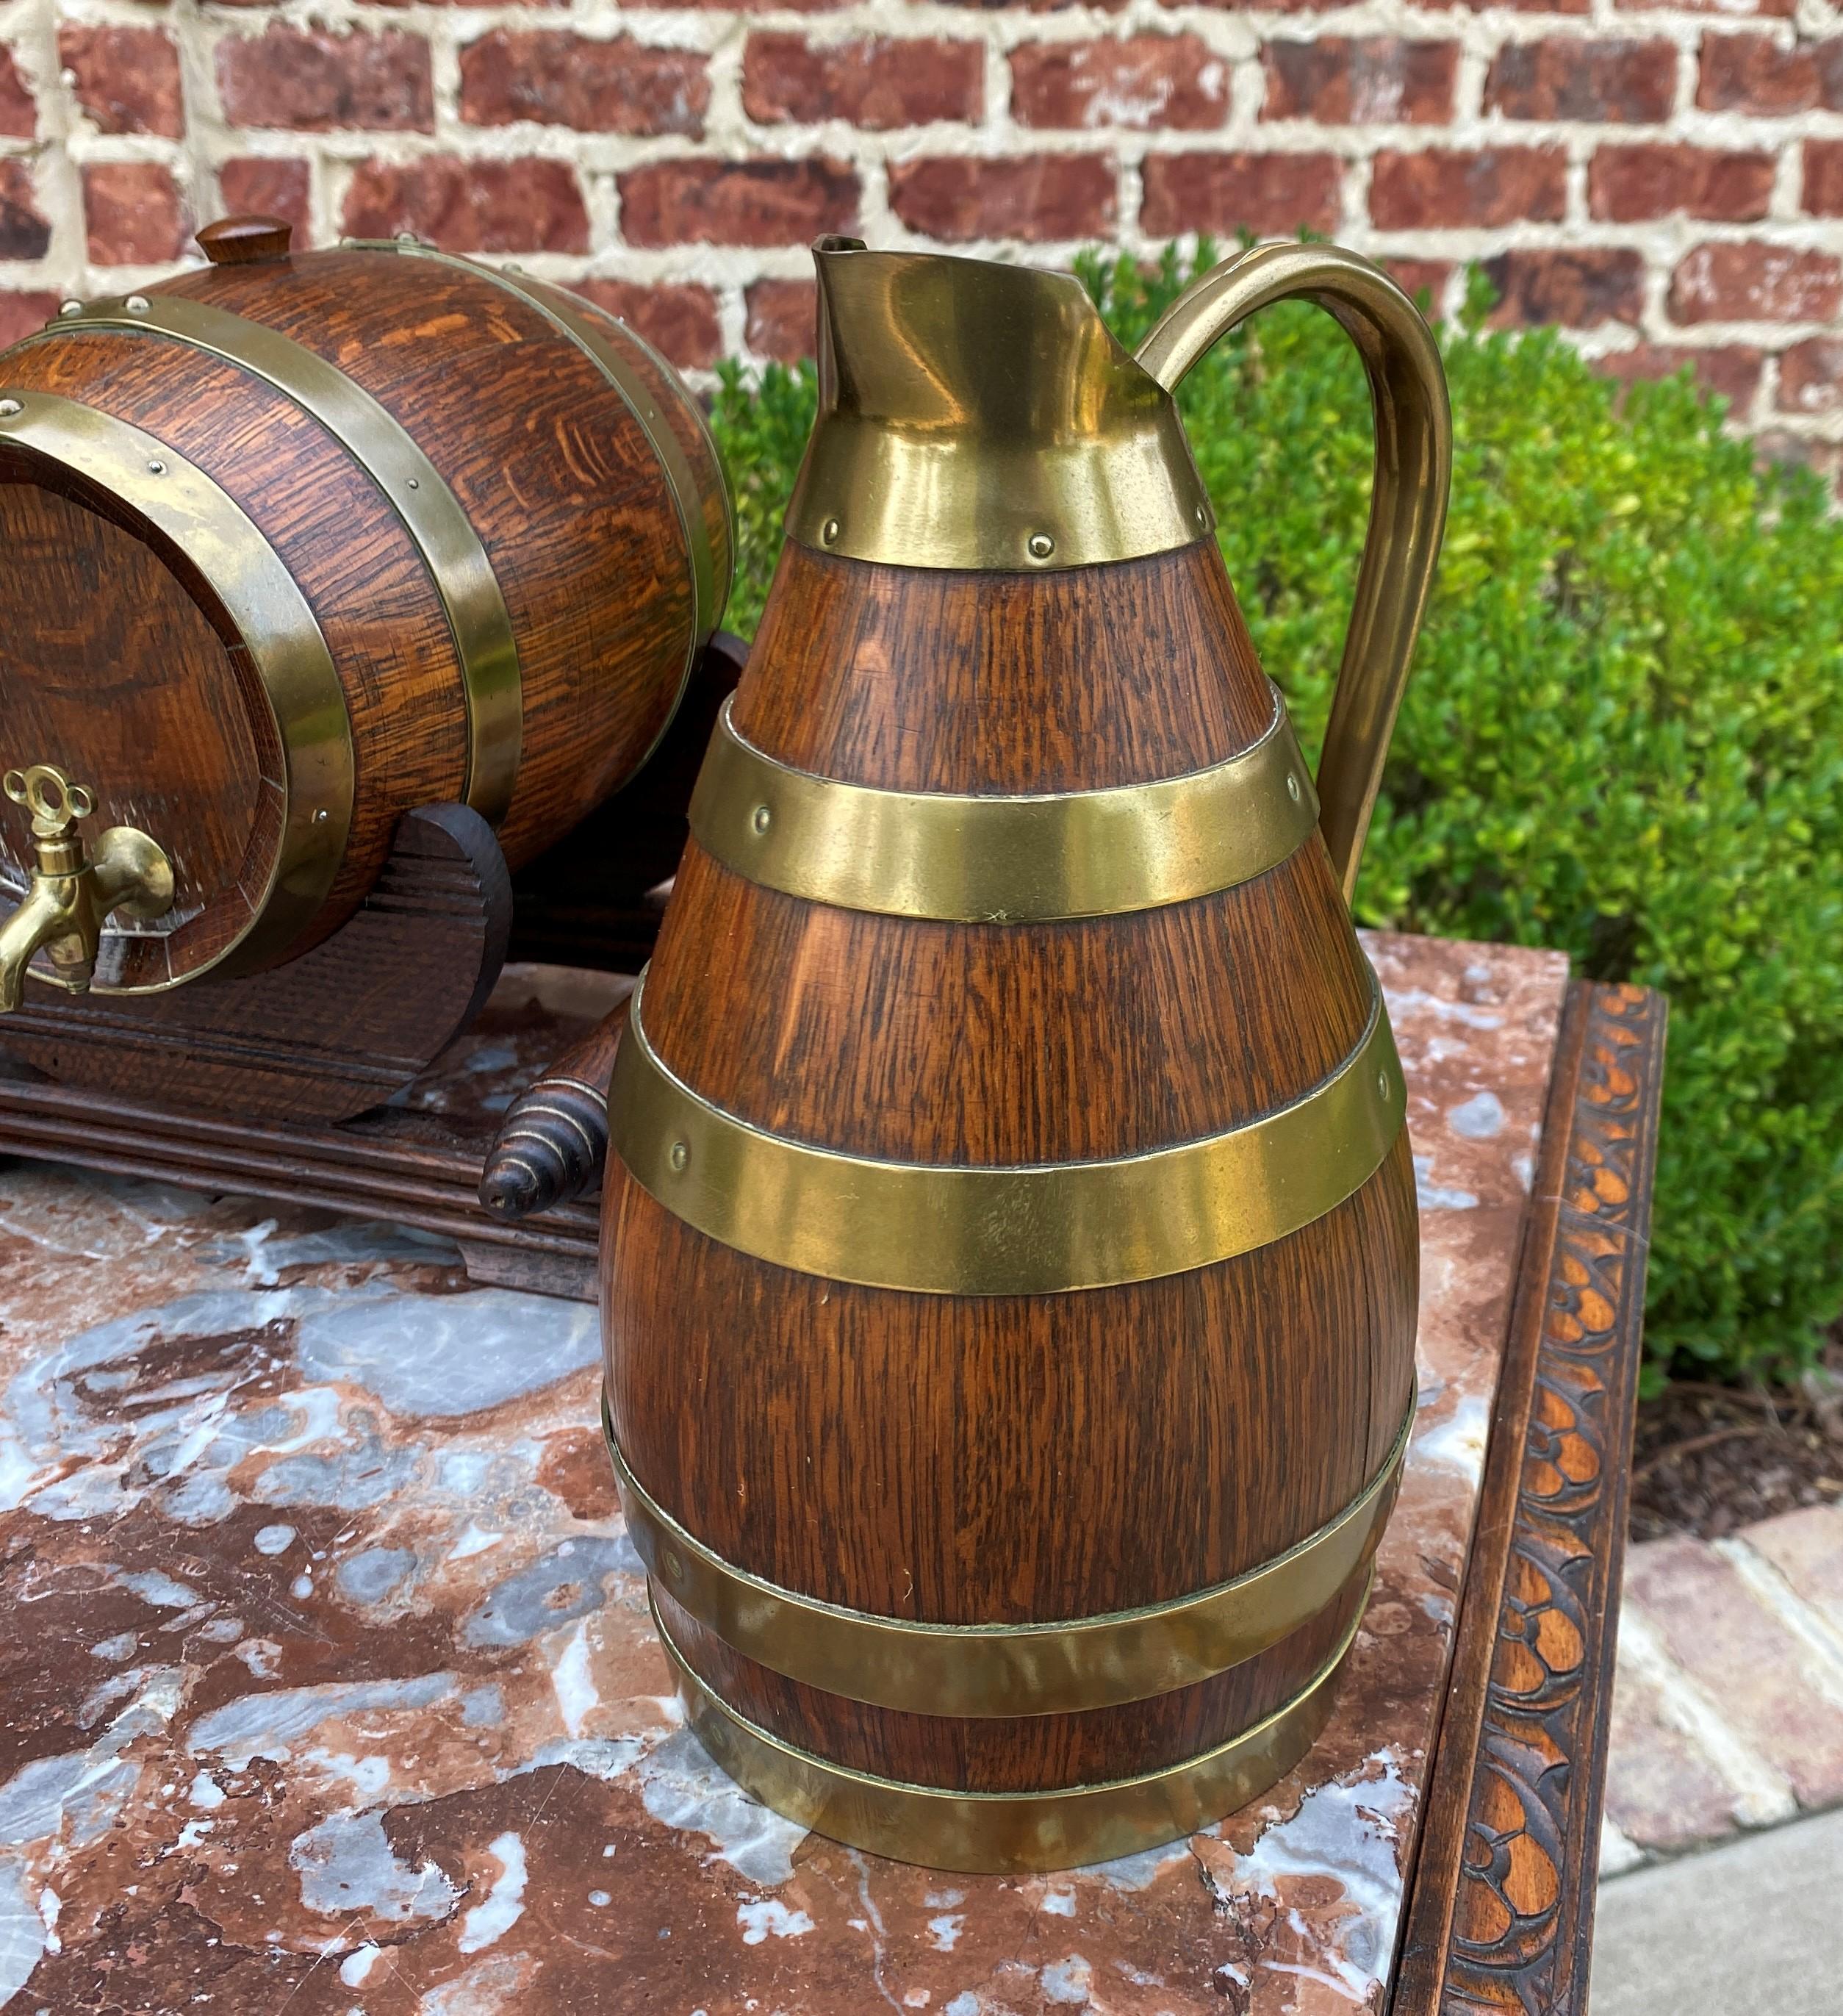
(242, 241)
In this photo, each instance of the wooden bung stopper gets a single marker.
(242, 241)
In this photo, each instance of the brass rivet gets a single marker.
(321, 816)
(760, 819)
(1203, 514)
(407, 238)
(829, 532)
(680, 1155)
(673, 1568)
(156, 467)
(1041, 545)
(70, 308)
(136, 304)
(1292, 787)
(9, 408)
(416, 483)
(1382, 1083)
(714, 1737)
(512, 266)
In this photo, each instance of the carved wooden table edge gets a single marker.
(1499, 1912)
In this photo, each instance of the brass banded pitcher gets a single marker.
(1010, 1268)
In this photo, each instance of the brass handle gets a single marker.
(1407, 502)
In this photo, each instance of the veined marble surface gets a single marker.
(329, 1685)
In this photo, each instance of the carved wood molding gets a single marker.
(1501, 1914)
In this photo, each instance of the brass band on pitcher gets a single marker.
(982, 1670)
(430, 513)
(1002, 1833)
(1030, 1228)
(1004, 859)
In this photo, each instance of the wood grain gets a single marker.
(1500, 1913)
(1007, 1459)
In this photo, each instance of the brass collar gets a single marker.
(980, 416)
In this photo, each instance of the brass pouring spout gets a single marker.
(71, 894)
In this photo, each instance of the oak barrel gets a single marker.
(298, 542)
(1009, 1257)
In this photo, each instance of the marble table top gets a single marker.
(329, 1685)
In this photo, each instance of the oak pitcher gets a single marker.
(1009, 1258)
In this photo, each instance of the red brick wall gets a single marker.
(1666, 182)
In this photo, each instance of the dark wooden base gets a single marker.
(416, 1161)
(326, 1036)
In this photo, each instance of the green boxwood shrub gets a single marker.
(1624, 736)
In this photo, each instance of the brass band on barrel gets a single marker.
(1010, 1229)
(277, 627)
(437, 527)
(1009, 1832)
(1003, 860)
(981, 1670)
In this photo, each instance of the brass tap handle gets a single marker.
(71, 893)
(1408, 503)
(54, 803)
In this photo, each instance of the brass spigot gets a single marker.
(71, 894)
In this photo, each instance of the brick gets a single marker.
(25, 232)
(1661, 1793)
(1034, 197)
(1824, 178)
(1754, 73)
(1811, 381)
(783, 318)
(1441, 187)
(1758, 1676)
(678, 319)
(1731, 370)
(1645, 179)
(1419, 277)
(133, 213)
(706, 201)
(877, 82)
(1806, 1547)
(255, 185)
(1132, 81)
(1373, 79)
(1271, 195)
(23, 313)
(1629, 82)
(1579, 289)
(18, 115)
(588, 83)
(513, 206)
(1751, 282)
(1823, 459)
(127, 79)
(315, 81)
